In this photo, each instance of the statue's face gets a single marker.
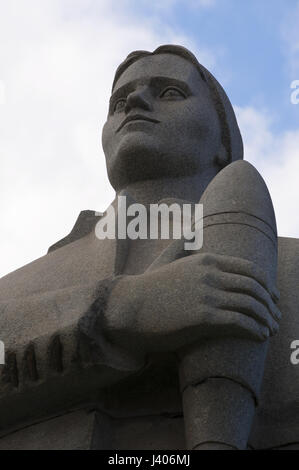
(161, 123)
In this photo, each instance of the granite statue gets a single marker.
(140, 344)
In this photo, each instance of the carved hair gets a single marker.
(230, 132)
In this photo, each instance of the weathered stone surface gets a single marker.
(277, 418)
(95, 330)
(72, 431)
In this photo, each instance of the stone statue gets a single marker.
(96, 331)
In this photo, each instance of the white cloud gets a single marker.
(277, 159)
(58, 59)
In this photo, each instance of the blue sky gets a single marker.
(57, 61)
(250, 43)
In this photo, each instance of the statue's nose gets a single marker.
(138, 99)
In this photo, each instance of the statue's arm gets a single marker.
(102, 333)
(113, 324)
(52, 335)
(52, 360)
(197, 296)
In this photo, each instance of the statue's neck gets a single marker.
(189, 188)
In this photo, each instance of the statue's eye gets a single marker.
(171, 93)
(119, 106)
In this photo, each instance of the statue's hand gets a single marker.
(201, 295)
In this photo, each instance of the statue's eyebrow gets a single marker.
(162, 82)
(155, 82)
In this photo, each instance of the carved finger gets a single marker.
(249, 306)
(242, 284)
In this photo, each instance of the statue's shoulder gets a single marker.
(288, 242)
(288, 255)
(67, 262)
(85, 223)
(288, 276)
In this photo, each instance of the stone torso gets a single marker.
(103, 402)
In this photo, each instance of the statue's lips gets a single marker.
(136, 117)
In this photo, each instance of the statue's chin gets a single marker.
(140, 159)
(136, 160)
(130, 169)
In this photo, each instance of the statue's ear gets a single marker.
(222, 158)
